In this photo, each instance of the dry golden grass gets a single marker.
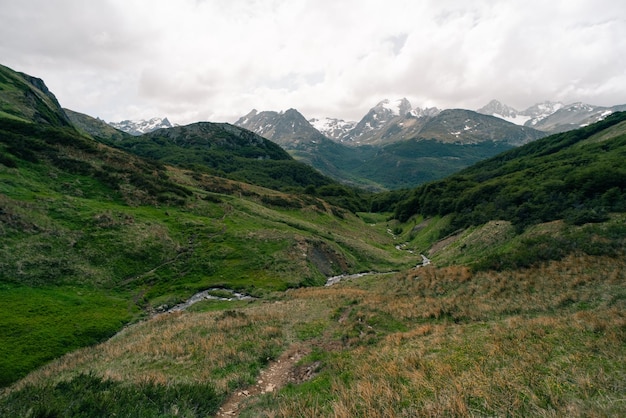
(547, 341)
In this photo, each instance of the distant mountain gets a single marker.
(551, 117)
(394, 145)
(387, 122)
(288, 129)
(462, 126)
(296, 135)
(502, 111)
(573, 116)
(142, 126)
(333, 128)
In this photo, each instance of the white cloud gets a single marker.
(217, 59)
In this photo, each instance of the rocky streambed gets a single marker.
(209, 294)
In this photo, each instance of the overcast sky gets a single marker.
(215, 60)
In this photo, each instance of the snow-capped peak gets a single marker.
(399, 107)
(499, 109)
(331, 127)
(142, 126)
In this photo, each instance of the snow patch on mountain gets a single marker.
(529, 117)
(332, 128)
(142, 126)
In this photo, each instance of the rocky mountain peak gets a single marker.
(495, 107)
(398, 107)
(142, 126)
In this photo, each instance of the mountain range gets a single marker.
(142, 126)
(397, 145)
(389, 122)
(551, 117)
(394, 145)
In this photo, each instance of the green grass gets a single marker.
(91, 396)
(40, 324)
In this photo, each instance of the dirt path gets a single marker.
(274, 377)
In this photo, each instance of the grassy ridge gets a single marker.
(231, 152)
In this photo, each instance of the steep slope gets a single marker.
(577, 175)
(27, 98)
(333, 128)
(573, 116)
(502, 111)
(389, 121)
(288, 129)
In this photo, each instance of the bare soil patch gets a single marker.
(274, 377)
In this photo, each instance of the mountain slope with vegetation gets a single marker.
(96, 128)
(571, 175)
(404, 154)
(557, 196)
(94, 237)
(231, 152)
(454, 314)
(27, 98)
(87, 225)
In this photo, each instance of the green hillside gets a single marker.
(415, 161)
(578, 175)
(93, 237)
(95, 128)
(231, 152)
(576, 178)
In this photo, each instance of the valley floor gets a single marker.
(544, 341)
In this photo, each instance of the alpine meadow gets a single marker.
(203, 270)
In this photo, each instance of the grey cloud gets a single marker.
(221, 59)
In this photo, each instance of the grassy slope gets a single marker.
(429, 341)
(93, 238)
